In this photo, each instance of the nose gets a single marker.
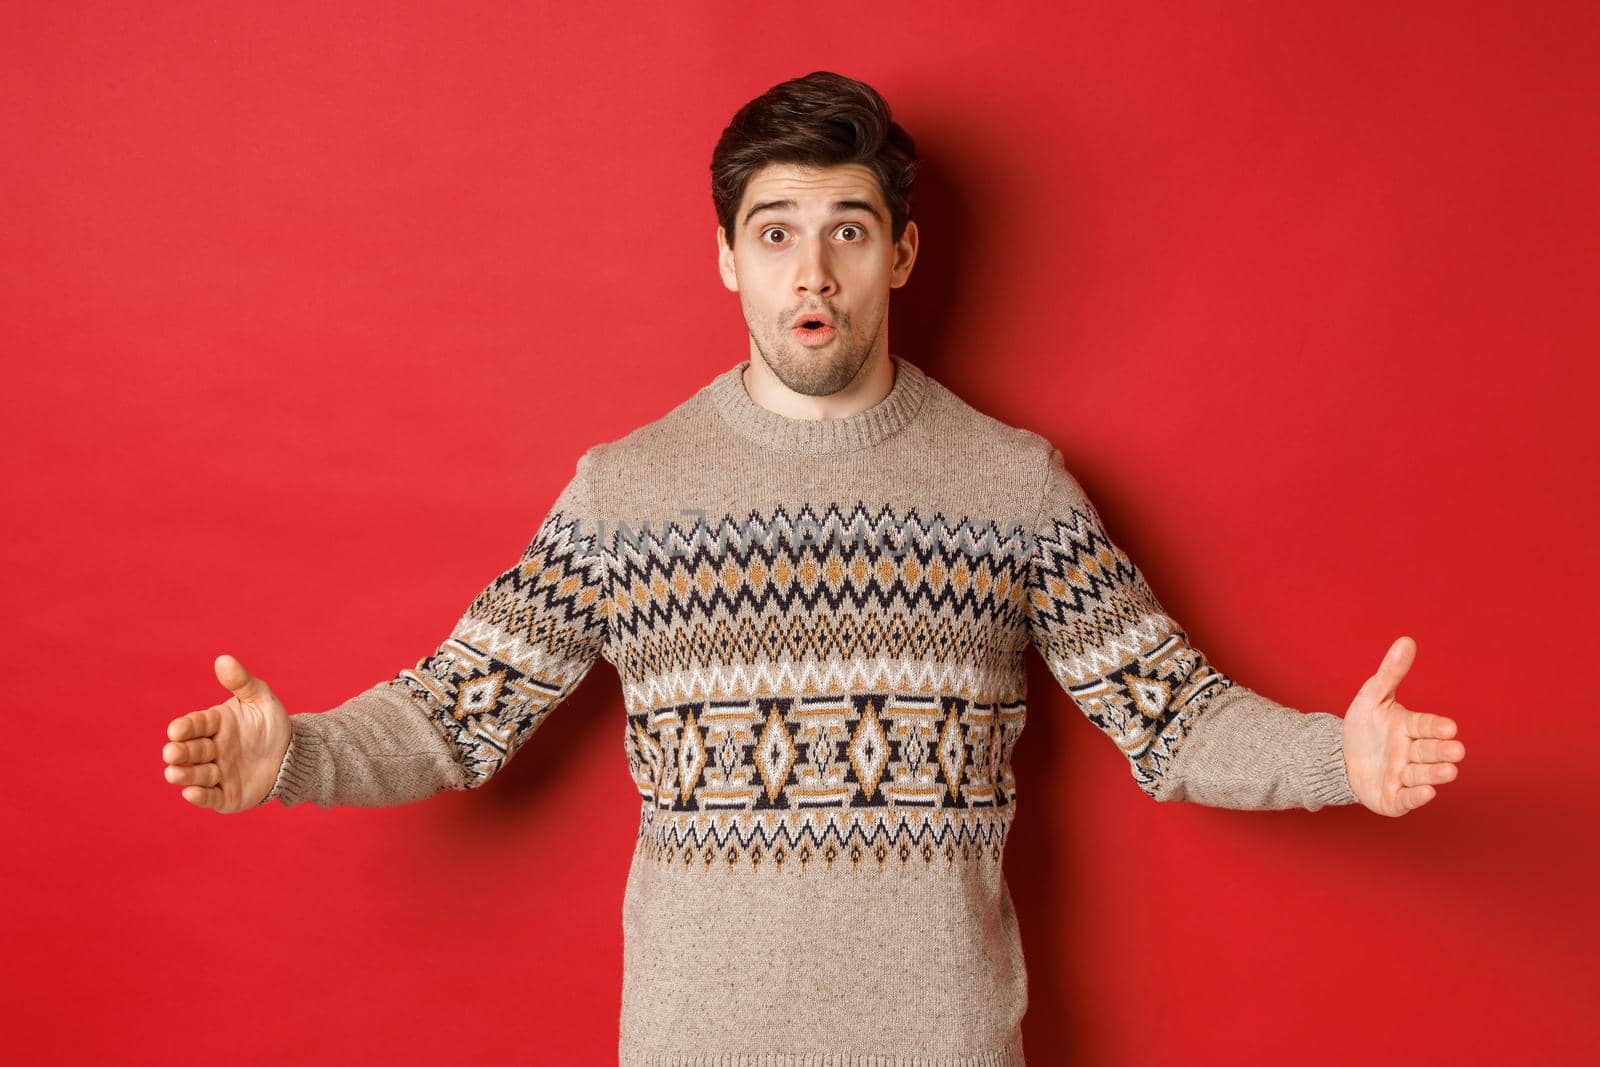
(815, 271)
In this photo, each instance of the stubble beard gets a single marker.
(816, 372)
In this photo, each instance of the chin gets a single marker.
(820, 372)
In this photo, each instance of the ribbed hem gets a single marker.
(1327, 778)
(1010, 1056)
(820, 436)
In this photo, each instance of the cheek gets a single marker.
(871, 275)
(759, 295)
(754, 283)
(757, 311)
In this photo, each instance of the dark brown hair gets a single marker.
(823, 119)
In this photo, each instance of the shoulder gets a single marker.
(1004, 445)
(1045, 483)
(665, 438)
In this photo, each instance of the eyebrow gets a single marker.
(838, 206)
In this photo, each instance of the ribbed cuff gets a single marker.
(277, 782)
(1327, 779)
(301, 763)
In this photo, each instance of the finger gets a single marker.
(1427, 773)
(240, 682)
(1433, 750)
(195, 724)
(1396, 662)
(1421, 724)
(200, 750)
(1416, 796)
(193, 773)
(201, 797)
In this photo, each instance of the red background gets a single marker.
(309, 310)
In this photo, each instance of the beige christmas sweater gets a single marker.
(820, 629)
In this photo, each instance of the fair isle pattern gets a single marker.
(847, 600)
(826, 839)
(838, 686)
(524, 643)
(839, 682)
(1105, 638)
(881, 777)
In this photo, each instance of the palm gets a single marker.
(226, 757)
(1395, 756)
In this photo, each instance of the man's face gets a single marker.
(815, 241)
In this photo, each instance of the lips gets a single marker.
(811, 320)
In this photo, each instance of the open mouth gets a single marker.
(812, 330)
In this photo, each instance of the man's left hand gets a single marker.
(1395, 756)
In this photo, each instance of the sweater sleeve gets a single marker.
(453, 720)
(1188, 731)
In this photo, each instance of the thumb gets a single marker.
(240, 682)
(1396, 662)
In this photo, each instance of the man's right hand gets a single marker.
(227, 756)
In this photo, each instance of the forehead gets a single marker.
(812, 188)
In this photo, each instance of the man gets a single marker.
(817, 577)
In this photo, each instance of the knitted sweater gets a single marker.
(820, 628)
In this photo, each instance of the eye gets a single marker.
(853, 228)
(770, 229)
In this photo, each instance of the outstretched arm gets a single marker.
(450, 722)
(1188, 731)
(457, 717)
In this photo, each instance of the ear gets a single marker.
(905, 254)
(725, 264)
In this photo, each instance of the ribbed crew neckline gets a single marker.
(819, 436)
